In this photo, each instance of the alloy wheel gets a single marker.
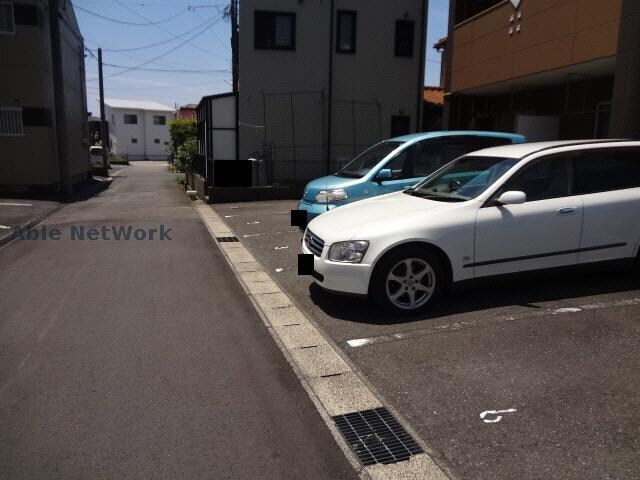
(410, 283)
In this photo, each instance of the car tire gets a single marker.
(409, 281)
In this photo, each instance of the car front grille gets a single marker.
(314, 243)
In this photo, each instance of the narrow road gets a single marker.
(144, 359)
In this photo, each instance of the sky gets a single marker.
(179, 70)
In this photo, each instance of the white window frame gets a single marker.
(13, 20)
(16, 122)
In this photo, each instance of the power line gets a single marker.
(155, 5)
(177, 70)
(163, 42)
(138, 67)
(125, 22)
(168, 31)
(159, 86)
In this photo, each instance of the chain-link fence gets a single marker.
(296, 144)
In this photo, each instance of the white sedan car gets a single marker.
(497, 211)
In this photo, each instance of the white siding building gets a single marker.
(138, 129)
(321, 80)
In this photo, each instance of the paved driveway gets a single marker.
(144, 359)
(559, 354)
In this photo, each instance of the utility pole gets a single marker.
(235, 57)
(104, 134)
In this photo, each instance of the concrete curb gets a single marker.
(331, 381)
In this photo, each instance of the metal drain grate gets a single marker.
(376, 437)
(227, 239)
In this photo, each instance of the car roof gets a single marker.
(521, 150)
(414, 137)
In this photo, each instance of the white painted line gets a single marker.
(253, 223)
(362, 342)
(565, 310)
(279, 270)
(251, 235)
(281, 248)
(5, 204)
(5, 227)
(495, 415)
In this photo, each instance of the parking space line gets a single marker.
(393, 337)
(5, 204)
(329, 379)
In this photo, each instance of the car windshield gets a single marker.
(363, 163)
(463, 179)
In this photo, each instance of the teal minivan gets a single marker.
(394, 165)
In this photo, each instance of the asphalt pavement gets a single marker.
(144, 359)
(523, 380)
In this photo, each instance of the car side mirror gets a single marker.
(511, 198)
(384, 174)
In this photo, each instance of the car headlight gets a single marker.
(348, 252)
(328, 196)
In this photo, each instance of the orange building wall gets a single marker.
(554, 34)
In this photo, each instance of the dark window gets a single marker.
(606, 171)
(404, 38)
(346, 32)
(36, 117)
(166, 143)
(433, 154)
(542, 179)
(156, 140)
(468, 8)
(400, 125)
(7, 24)
(274, 30)
(134, 140)
(130, 119)
(26, 14)
(399, 164)
(159, 120)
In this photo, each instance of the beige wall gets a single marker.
(26, 81)
(554, 34)
(372, 74)
(75, 93)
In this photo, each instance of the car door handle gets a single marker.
(566, 210)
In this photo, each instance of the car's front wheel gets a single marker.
(408, 281)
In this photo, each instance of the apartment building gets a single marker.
(320, 80)
(43, 112)
(138, 129)
(550, 69)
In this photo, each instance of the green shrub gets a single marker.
(185, 154)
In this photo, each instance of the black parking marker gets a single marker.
(227, 239)
(299, 218)
(305, 264)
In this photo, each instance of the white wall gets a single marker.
(157, 151)
(373, 74)
(223, 117)
(144, 131)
